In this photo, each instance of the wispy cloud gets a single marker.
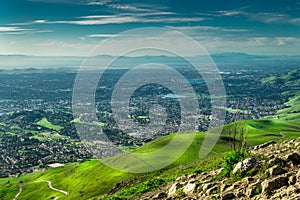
(284, 40)
(131, 8)
(101, 35)
(154, 17)
(13, 29)
(98, 3)
(264, 17)
(20, 31)
(268, 18)
(229, 13)
(208, 28)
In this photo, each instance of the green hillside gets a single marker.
(292, 78)
(90, 179)
(291, 81)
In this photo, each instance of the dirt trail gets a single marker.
(20, 191)
(49, 185)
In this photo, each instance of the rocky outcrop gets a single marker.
(245, 165)
(277, 177)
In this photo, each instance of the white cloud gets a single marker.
(98, 3)
(130, 8)
(101, 35)
(273, 18)
(295, 21)
(207, 28)
(20, 31)
(229, 13)
(13, 29)
(284, 40)
(124, 18)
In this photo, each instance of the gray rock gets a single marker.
(294, 157)
(252, 190)
(228, 196)
(223, 187)
(269, 185)
(264, 145)
(247, 180)
(208, 186)
(173, 189)
(245, 165)
(211, 190)
(190, 188)
(292, 180)
(275, 161)
(160, 195)
(298, 176)
(276, 170)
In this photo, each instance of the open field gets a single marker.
(45, 123)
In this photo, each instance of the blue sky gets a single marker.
(75, 27)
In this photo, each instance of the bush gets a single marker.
(231, 159)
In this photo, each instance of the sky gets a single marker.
(75, 27)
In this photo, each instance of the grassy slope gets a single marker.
(292, 112)
(290, 80)
(92, 178)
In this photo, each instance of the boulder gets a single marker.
(228, 196)
(208, 186)
(190, 188)
(160, 195)
(275, 161)
(261, 146)
(276, 170)
(298, 176)
(294, 157)
(245, 165)
(252, 189)
(173, 189)
(269, 185)
(223, 187)
(292, 180)
(212, 190)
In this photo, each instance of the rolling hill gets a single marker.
(91, 179)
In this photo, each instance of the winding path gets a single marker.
(55, 189)
(49, 185)
(20, 191)
(282, 135)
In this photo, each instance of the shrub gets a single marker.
(231, 159)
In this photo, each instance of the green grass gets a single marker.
(292, 112)
(78, 120)
(232, 110)
(32, 187)
(45, 136)
(16, 128)
(290, 80)
(45, 123)
(10, 133)
(143, 117)
(91, 179)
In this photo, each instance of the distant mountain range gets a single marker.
(27, 61)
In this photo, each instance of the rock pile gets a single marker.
(277, 177)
